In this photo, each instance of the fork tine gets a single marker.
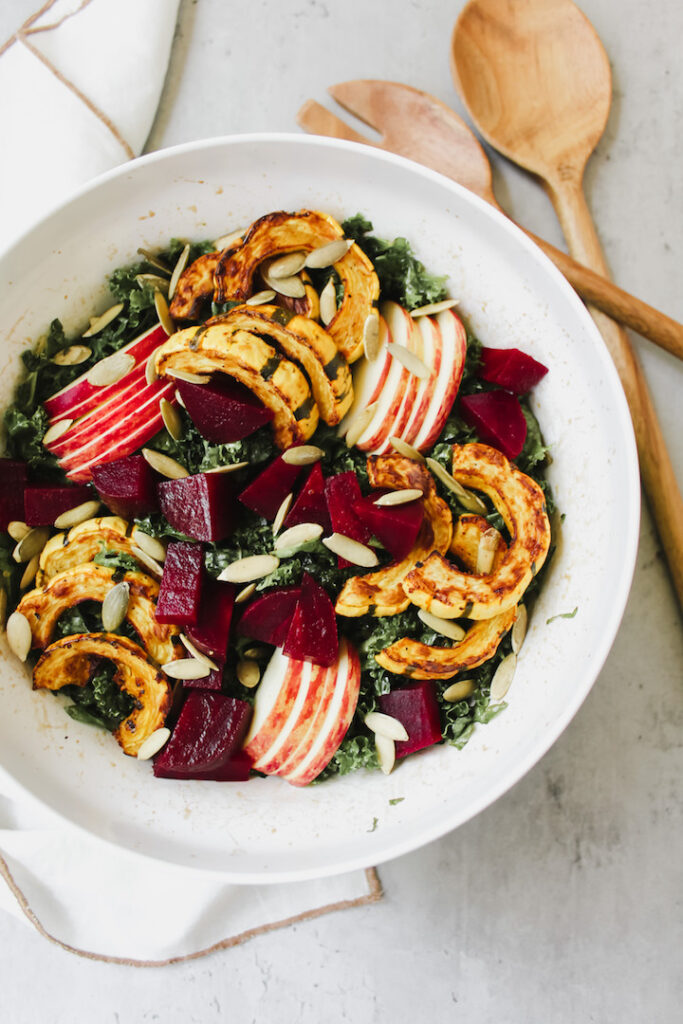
(317, 120)
(359, 97)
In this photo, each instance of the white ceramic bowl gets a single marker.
(267, 831)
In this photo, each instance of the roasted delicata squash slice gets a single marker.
(90, 582)
(72, 660)
(81, 544)
(381, 592)
(308, 344)
(277, 381)
(195, 288)
(440, 587)
(278, 233)
(411, 658)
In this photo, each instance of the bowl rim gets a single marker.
(631, 505)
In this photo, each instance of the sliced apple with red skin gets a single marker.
(80, 396)
(410, 337)
(454, 350)
(308, 726)
(369, 377)
(432, 352)
(288, 719)
(273, 701)
(390, 397)
(129, 386)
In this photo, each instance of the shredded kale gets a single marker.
(110, 558)
(562, 615)
(100, 702)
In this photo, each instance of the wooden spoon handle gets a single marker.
(657, 473)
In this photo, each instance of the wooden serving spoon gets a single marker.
(418, 126)
(536, 81)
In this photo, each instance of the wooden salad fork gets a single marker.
(418, 126)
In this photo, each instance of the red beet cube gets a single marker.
(268, 490)
(214, 681)
(498, 419)
(235, 769)
(12, 483)
(511, 368)
(42, 505)
(395, 526)
(211, 633)
(310, 506)
(312, 634)
(268, 617)
(417, 708)
(223, 410)
(201, 506)
(209, 731)
(341, 493)
(181, 584)
(127, 486)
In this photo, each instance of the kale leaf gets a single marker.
(100, 702)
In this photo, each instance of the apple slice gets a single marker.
(311, 690)
(389, 398)
(80, 396)
(273, 701)
(298, 742)
(408, 334)
(454, 341)
(432, 348)
(287, 716)
(369, 377)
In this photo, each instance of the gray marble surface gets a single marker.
(562, 902)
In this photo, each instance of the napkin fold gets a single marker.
(85, 77)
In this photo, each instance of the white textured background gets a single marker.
(562, 902)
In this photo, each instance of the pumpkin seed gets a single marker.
(459, 691)
(325, 255)
(409, 360)
(502, 677)
(77, 515)
(146, 560)
(302, 455)
(186, 668)
(292, 287)
(98, 323)
(245, 593)
(164, 464)
(351, 550)
(386, 725)
(372, 345)
(19, 636)
(281, 514)
(196, 653)
(189, 378)
(72, 355)
(259, 298)
(154, 261)
(400, 497)
(405, 449)
(153, 281)
(171, 419)
(55, 431)
(29, 572)
(151, 368)
(165, 319)
(248, 672)
(467, 499)
(111, 369)
(232, 468)
(153, 744)
(386, 753)
(296, 536)
(150, 545)
(287, 266)
(115, 607)
(225, 241)
(445, 627)
(328, 303)
(177, 271)
(359, 424)
(179, 398)
(256, 652)
(31, 544)
(253, 567)
(486, 551)
(17, 530)
(519, 629)
(432, 308)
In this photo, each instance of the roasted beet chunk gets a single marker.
(127, 486)
(511, 369)
(498, 419)
(223, 410)
(181, 584)
(312, 634)
(214, 681)
(209, 731)
(310, 506)
(212, 631)
(417, 708)
(42, 505)
(268, 490)
(341, 493)
(267, 618)
(395, 526)
(12, 483)
(200, 506)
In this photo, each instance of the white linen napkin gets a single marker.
(85, 77)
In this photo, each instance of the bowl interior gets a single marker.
(511, 296)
